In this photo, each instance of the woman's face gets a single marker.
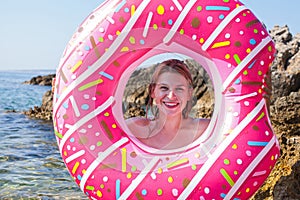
(171, 93)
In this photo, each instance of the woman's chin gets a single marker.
(171, 110)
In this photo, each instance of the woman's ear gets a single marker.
(151, 90)
(190, 93)
(152, 95)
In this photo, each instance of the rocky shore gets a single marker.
(43, 111)
(284, 181)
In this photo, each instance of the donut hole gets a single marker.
(136, 92)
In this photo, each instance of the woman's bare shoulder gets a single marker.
(203, 122)
(138, 126)
(199, 122)
(201, 125)
(139, 121)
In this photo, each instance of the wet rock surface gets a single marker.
(45, 110)
(284, 181)
(41, 80)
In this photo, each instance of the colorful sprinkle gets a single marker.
(221, 16)
(195, 22)
(251, 23)
(132, 40)
(239, 161)
(260, 116)
(89, 187)
(99, 193)
(106, 75)
(227, 177)
(142, 42)
(257, 143)
(91, 84)
(75, 167)
(118, 188)
(132, 10)
(226, 162)
(214, 8)
(107, 131)
(159, 192)
(94, 45)
(206, 190)
(85, 106)
(174, 192)
(234, 146)
(76, 66)
(221, 44)
(59, 135)
(160, 10)
(124, 159)
(178, 163)
(260, 173)
(144, 192)
(237, 58)
(252, 41)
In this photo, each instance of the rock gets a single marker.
(45, 110)
(284, 181)
(285, 70)
(286, 110)
(288, 187)
(134, 110)
(11, 111)
(41, 80)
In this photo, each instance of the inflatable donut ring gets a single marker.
(235, 154)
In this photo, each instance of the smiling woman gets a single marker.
(170, 101)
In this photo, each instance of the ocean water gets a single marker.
(30, 164)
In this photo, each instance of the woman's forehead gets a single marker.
(172, 79)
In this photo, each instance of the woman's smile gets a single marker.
(171, 104)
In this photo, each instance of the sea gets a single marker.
(30, 163)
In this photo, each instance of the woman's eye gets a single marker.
(164, 88)
(179, 89)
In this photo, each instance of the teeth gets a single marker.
(171, 104)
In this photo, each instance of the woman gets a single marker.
(170, 94)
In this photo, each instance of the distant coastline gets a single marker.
(43, 80)
(37, 71)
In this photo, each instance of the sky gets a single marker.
(34, 33)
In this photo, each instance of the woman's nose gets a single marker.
(171, 94)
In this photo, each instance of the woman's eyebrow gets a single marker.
(161, 84)
(165, 84)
